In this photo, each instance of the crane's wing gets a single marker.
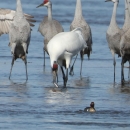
(6, 19)
(43, 26)
(58, 26)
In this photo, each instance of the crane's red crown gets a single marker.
(55, 66)
(45, 1)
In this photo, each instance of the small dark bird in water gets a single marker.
(91, 108)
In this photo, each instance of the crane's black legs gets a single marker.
(114, 62)
(122, 71)
(129, 72)
(71, 68)
(25, 61)
(82, 56)
(65, 78)
(44, 57)
(13, 58)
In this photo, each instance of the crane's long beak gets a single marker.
(55, 76)
(40, 5)
(107, 0)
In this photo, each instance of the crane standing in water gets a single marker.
(15, 23)
(61, 48)
(125, 41)
(113, 35)
(49, 27)
(79, 21)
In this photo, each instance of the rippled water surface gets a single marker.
(37, 104)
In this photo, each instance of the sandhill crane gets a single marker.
(15, 23)
(7, 17)
(113, 35)
(49, 27)
(126, 25)
(79, 21)
(61, 48)
(125, 40)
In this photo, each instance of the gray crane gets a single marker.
(15, 23)
(113, 35)
(7, 17)
(125, 41)
(79, 21)
(49, 27)
(126, 25)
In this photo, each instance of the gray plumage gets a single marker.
(79, 21)
(7, 17)
(49, 27)
(125, 41)
(126, 25)
(113, 34)
(19, 36)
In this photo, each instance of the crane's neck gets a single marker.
(127, 17)
(113, 19)
(50, 12)
(128, 6)
(78, 10)
(19, 10)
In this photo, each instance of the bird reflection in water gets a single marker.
(84, 81)
(123, 88)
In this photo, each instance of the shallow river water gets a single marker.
(37, 104)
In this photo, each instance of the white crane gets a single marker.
(113, 35)
(79, 21)
(15, 23)
(61, 48)
(125, 40)
(49, 27)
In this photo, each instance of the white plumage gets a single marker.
(62, 47)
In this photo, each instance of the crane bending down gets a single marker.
(79, 21)
(61, 48)
(49, 27)
(15, 23)
(113, 35)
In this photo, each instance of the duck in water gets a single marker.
(91, 108)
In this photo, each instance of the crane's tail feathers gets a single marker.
(32, 25)
(30, 20)
(28, 16)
